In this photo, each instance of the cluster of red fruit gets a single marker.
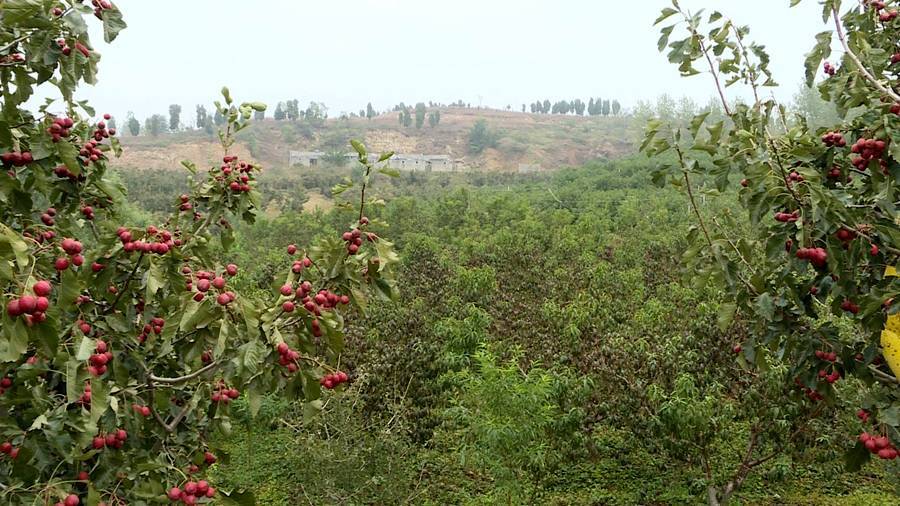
(101, 132)
(795, 177)
(7, 448)
(185, 204)
(85, 399)
(818, 256)
(115, 439)
(89, 151)
(812, 394)
(288, 357)
(828, 356)
(160, 241)
(849, 306)
(16, 158)
(72, 248)
(88, 212)
(191, 491)
(34, 307)
(834, 139)
(787, 217)
(207, 280)
(59, 128)
(224, 394)
(156, 326)
(299, 265)
(332, 380)
(353, 238)
(324, 299)
(836, 173)
(845, 236)
(240, 183)
(101, 357)
(141, 410)
(99, 7)
(868, 150)
(829, 69)
(5, 384)
(879, 445)
(884, 14)
(12, 58)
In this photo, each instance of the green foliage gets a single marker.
(122, 315)
(174, 117)
(481, 137)
(842, 204)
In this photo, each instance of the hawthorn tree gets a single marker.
(815, 273)
(121, 348)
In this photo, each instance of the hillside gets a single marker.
(546, 141)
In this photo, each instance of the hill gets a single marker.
(545, 141)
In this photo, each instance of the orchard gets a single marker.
(815, 276)
(122, 348)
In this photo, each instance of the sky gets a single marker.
(346, 53)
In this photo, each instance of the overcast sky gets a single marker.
(348, 52)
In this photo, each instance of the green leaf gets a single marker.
(385, 156)
(726, 315)
(814, 59)
(112, 24)
(358, 146)
(75, 23)
(72, 383)
(86, 348)
(388, 171)
(664, 14)
(765, 306)
(190, 166)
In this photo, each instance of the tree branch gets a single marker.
(856, 61)
(137, 264)
(181, 379)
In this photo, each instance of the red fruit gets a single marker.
(97, 267)
(209, 458)
(83, 476)
(5, 383)
(145, 410)
(77, 260)
(231, 269)
(874, 250)
(745, 183)
(99, 443)
(190, 488)
(100, 346)
(233, 393)
(72, 500)
(223, 299)
(121, 435)
(85, 328)
(202, 487)
(219, 282)
(286, 290)
(291, 249)
(870, 445)
(13, 309)
(283, 348)
(14, 453)
(189, 500)
(174, 493)
(288, 307)
(6, 447)
(61, 264)
(203, 285)
(42, 288)
(737, 348)
(210, 492)
(27, 304)
(882, 442)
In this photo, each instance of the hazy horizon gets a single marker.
(346, 53)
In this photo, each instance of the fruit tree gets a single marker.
(121, 348)
(813, 271)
